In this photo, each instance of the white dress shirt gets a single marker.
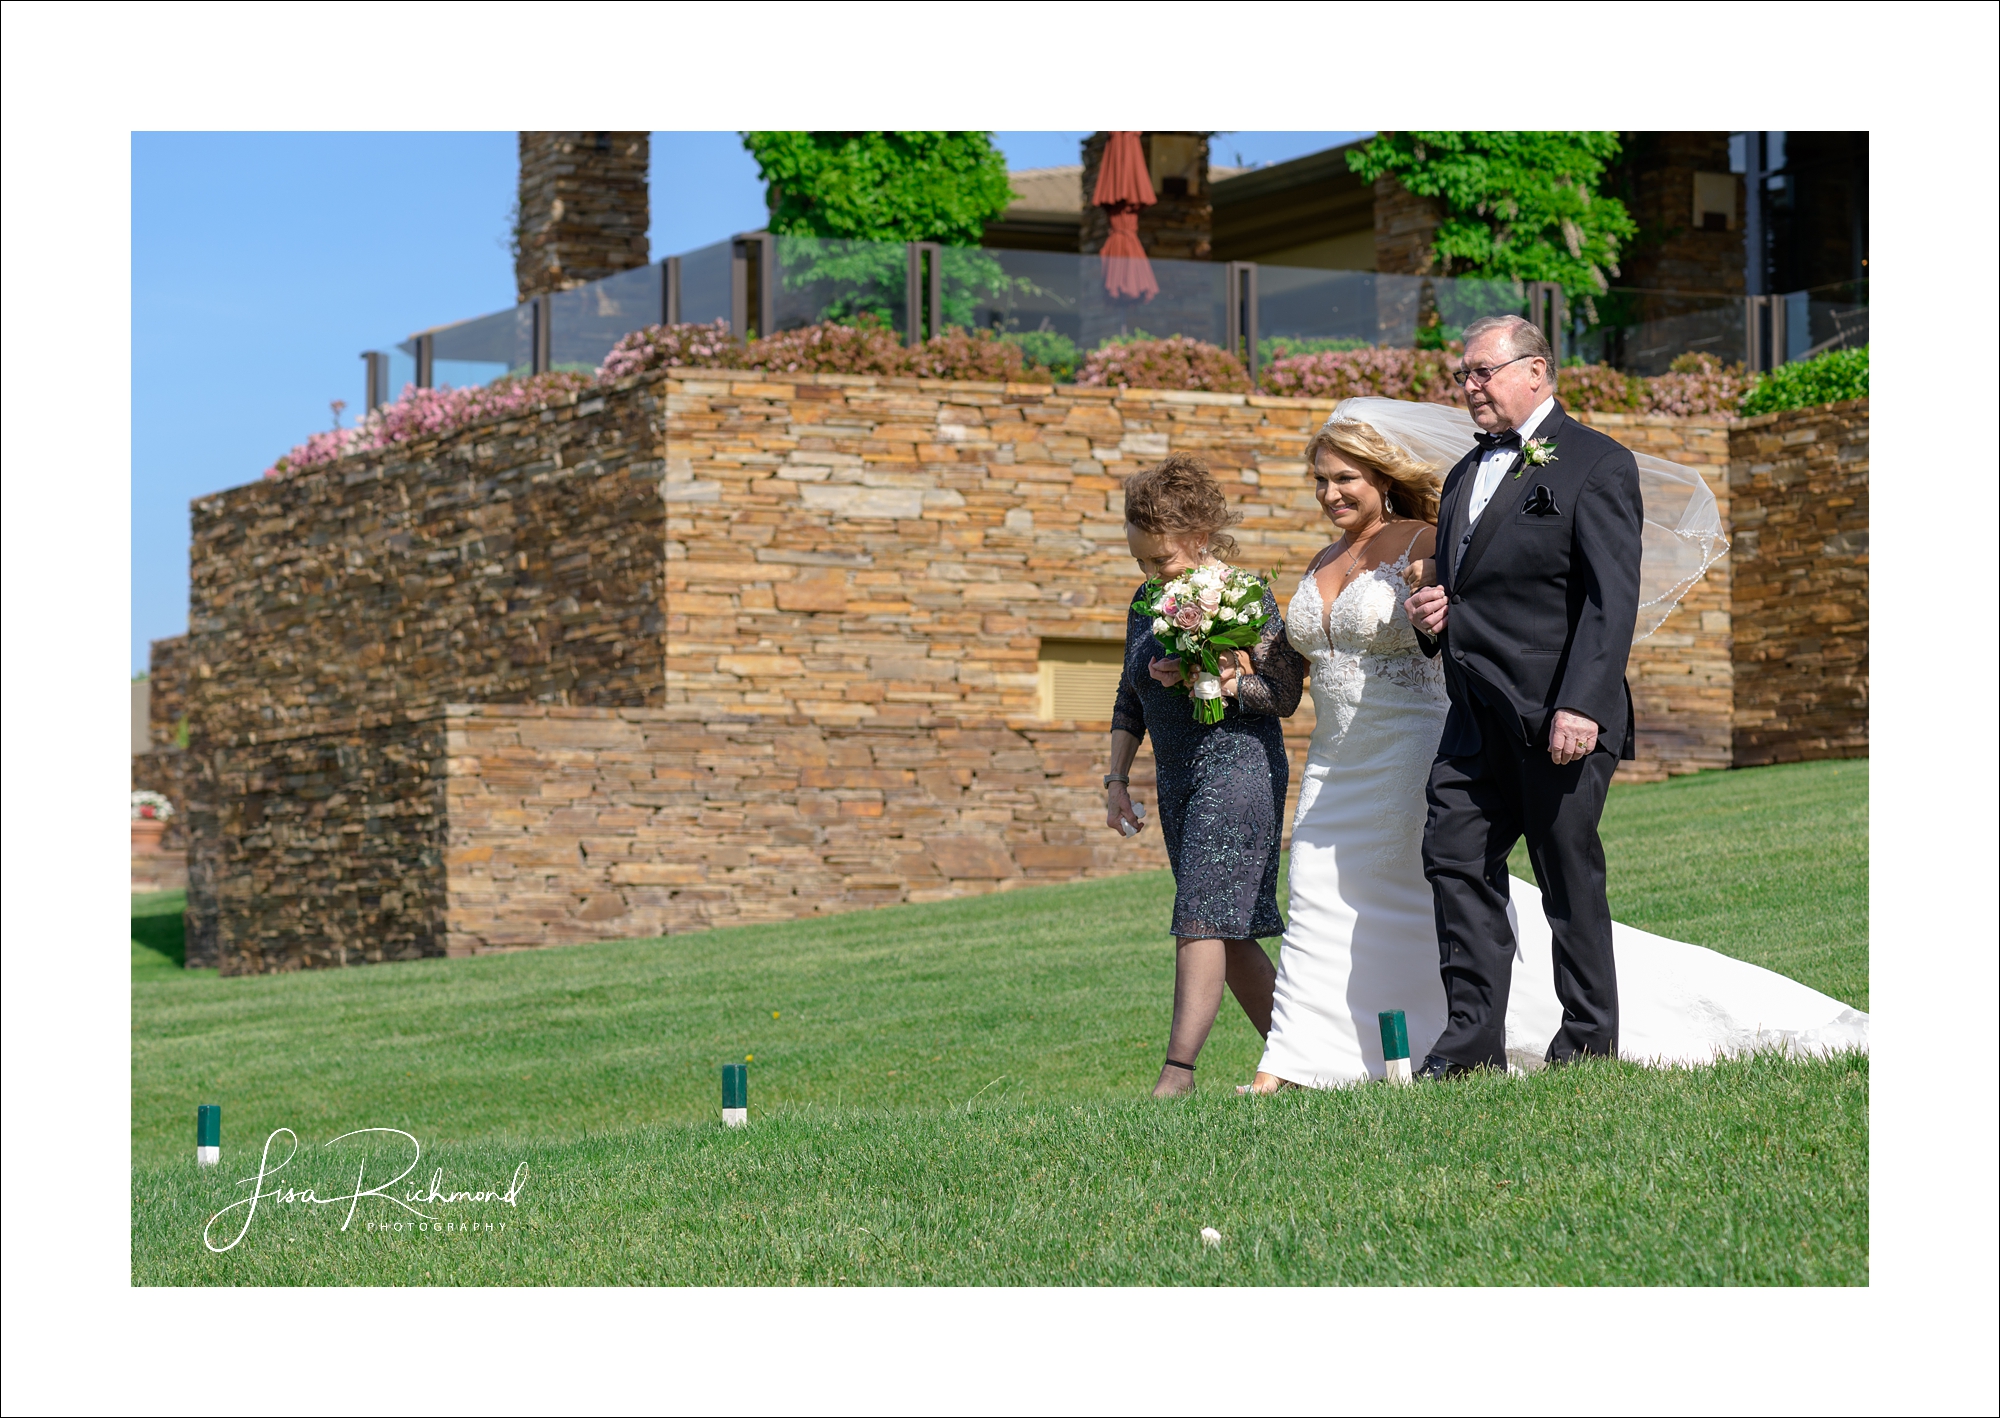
(1497, 460)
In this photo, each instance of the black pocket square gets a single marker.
(1541, 503)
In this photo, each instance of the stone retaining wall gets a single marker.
(1799, 490)
(713, 648)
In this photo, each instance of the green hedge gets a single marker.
(1832, 378)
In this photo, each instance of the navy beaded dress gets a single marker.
(1222, 785)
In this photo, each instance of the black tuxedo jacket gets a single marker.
(1544, 593)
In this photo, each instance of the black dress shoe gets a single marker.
(1437, 1066)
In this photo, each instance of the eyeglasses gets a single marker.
(1484, 372)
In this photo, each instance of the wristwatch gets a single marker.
(1110, 778)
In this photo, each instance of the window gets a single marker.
(1715, 201)
(1080, 678)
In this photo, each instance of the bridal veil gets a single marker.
(1683, 532)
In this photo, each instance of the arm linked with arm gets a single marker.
(1277, 675)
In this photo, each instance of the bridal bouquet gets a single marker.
(1199, 612)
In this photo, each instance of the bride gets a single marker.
(1362, 938)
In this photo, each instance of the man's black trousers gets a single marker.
(1481, 804)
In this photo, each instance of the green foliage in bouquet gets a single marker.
(1831, 378)
(1199, 612)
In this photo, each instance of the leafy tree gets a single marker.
(942, 187)
(842, 204)
(1517, 206)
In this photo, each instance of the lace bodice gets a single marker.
(1363, 650)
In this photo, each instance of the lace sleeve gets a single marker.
(1127, 712)
(1278, 675)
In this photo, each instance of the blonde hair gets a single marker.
(1180, 498)
(1413, 484)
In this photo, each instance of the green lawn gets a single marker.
(954, 1093)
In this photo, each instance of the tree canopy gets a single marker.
(942, 187)
(1520, 206)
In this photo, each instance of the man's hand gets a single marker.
(1427, 609)
(1167, 672)
(1571, 736)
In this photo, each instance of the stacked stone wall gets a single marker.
(327, 846)
(719, 648)
(1799, 495)
(583, 824)
(515, 561)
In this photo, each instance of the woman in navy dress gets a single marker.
(1221, 786)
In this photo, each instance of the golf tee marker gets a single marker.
(735, 1095)
(1395, 1046)
(208, 1134)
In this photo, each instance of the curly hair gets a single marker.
(1179, 497)
(1414, 485)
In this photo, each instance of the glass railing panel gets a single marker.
(705, 284)
(402, 369)
(586, 322)
(1030, 297)
(1191, 302)
(825, 279)
(1644, 331)
(482, 350)
(1827, 318)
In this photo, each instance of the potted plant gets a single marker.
(150, 814)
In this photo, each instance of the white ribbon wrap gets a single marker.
(1205, 686)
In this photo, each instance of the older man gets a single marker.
(1538, 589)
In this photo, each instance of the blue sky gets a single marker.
(264, 263)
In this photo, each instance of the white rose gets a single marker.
(1160, 626)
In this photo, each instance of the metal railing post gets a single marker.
(1239, 321)
(1765, 346)
(739, 291)
(424, 346)
(377, 380)
(1780, 346)
(538, 355)
(917, 285)
(670, 291)
(745, 303)
(1548, 312)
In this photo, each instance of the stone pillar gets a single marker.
(1405, 225)
(1177, 227)
(582, 209)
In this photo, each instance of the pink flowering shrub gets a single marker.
(974, 355)
(1173, 363)
(1383, 372)
(1597, 389)
(428, 413)
(865, 347)
(1695, 386)
(708, 346)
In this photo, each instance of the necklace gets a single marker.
(1354, 552)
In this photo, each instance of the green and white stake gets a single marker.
(1395, 1046)
(208, 1134)
(735, 1095)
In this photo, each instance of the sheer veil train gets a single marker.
(1362, 936)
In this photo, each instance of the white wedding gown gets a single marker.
(1362, 936)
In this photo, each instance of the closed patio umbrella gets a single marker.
(1122, 189)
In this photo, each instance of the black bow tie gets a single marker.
(1489, 441)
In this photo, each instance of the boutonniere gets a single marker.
(1536, 453)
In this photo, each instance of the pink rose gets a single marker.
(1187, 617)
(1211, 598)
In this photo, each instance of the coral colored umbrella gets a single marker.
(1122, 189)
